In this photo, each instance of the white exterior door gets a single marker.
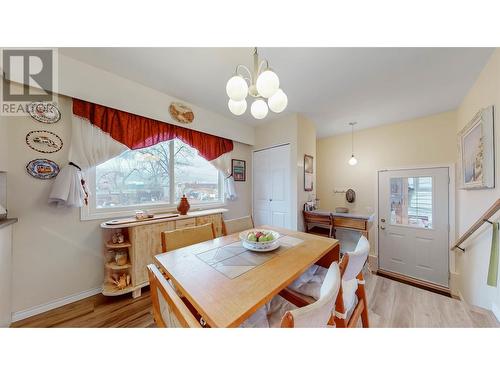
(271, 187)
(413, 223)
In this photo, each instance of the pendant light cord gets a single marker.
(352, 137)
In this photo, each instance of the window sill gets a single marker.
(87, 215)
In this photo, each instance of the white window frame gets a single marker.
(90, 212)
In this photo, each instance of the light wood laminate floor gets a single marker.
(391, 304)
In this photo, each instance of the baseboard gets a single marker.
(415, 282)
(23, 314)
(373, 263)
(454, 283)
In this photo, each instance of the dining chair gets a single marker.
(168, 308)
(351, 301)
(321, 225)
(237, 225)
(286, 313)
(175, 239)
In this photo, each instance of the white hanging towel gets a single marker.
(67, 190)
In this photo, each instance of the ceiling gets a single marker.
(331, 86)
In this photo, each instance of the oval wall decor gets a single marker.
(44, 141)
(350, 195)
(46, 113)
(43, 169)
(181, 112)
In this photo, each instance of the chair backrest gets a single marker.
(168, 308)
(175, 239)
(317, 314)
(237, 225)
(357, 259)
(315, 218)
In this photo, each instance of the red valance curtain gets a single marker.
(137, 132)
(101, 133)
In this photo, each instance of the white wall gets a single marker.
(3, 144)
(472, 266)
(425, 141)
(306, 144)
(243, 205)
(55, 254)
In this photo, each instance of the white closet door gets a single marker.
(271, 187)
(261, 188)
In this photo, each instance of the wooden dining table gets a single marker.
(224, 301)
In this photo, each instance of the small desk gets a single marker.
(226, 302)
(352, 221)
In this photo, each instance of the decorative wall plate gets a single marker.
(43, 169)
(44, 141)
(350, 195)
(46, 113)
(181, 112)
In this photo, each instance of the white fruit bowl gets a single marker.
(260, 246)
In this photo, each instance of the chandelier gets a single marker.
(262, 84)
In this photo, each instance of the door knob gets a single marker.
(270, 200)
(382, 228)
(382, 220)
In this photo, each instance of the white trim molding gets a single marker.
(32, 311)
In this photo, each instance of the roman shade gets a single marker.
(101, 133)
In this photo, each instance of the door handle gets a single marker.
(382, 227)
(270, 200)
(382, 220)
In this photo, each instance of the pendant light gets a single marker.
(352, 161)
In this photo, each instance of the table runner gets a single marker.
(234, 260)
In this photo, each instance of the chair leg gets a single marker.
(361, 293)
(364, 318)
(340, 323)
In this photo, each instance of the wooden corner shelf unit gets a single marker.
(143, 242)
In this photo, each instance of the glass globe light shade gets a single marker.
(267, 83)
(353, 160)
(259, 109)
(237, 88)
(237, 107)
(278, 102)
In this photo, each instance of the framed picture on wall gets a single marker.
(239, 169)
(308, 172)
(477, 152)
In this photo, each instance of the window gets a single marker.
(411, 201)
(153, 178)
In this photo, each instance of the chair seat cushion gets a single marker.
(309, 284)
(277, 309)
(257, 320)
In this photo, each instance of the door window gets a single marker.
(411, 201)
